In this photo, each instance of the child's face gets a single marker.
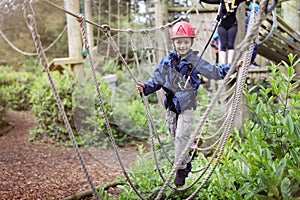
(182, 45)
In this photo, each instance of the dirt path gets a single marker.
(29, 171)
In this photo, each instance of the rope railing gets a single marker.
(31, 24)
(32, 54)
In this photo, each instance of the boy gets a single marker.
(177, 75)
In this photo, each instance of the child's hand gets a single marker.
(240, 63)
(140, 87)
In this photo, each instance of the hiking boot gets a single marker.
(180, 177)
(181, 174)
(188, 169)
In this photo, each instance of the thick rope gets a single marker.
(102, 107)
(31, 54)
(146, 103)
(247, 40)
(238, 94)
(151, 125)
(152, 128)
(31, 24)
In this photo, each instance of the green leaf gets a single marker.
(295, 173)
(295, 155)
(285, 188)
(280, 169)
(289, 123)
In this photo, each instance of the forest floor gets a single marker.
(44, 171)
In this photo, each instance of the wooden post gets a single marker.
(291, 14)
(161, 16)
(242, 110)
(88, 14)
(74, 35)
(241, 18)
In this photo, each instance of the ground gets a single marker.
(44, 171)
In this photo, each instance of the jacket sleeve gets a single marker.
(156, 81)
(210, 1)
(208, 70)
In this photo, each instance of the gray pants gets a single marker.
(180, 128)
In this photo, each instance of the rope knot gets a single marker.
(105, 27)
(130, 31)
(162, 27)
(144, 31)
(80, 18)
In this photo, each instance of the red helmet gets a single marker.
(182, 29)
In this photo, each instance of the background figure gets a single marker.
(254, 54)
(227, 28)
(215, 44)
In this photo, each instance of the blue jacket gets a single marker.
(171, 74)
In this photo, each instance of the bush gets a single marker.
(82, 107)
(3, 107)
(44, 107)
(265, 164)
(15, 86)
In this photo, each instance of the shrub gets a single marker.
(15, 86)
(3, 107)
(44, 107)
(265, 164)
(82, 107)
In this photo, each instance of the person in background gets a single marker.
(215, 44)
(254, 6)
(178, 75)
(227, 28)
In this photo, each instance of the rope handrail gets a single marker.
(104, 27)
(31, 24)
(31, 54)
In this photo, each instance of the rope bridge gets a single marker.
(147, 36)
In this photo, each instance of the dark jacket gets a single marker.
(228, 18)
(171, 75)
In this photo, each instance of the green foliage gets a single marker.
(15, 87)
(45, 108)
(83, 109)
(32, 65)
(144, 177)
(89, 117)
(129, 112)
(103, 193)
(264, 164)
(3, 106)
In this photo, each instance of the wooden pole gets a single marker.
(161, 16)
(74, 35)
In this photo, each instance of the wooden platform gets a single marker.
(66, 64)
(283, 40)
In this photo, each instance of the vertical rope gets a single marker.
(102, 107)
(31, 24)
